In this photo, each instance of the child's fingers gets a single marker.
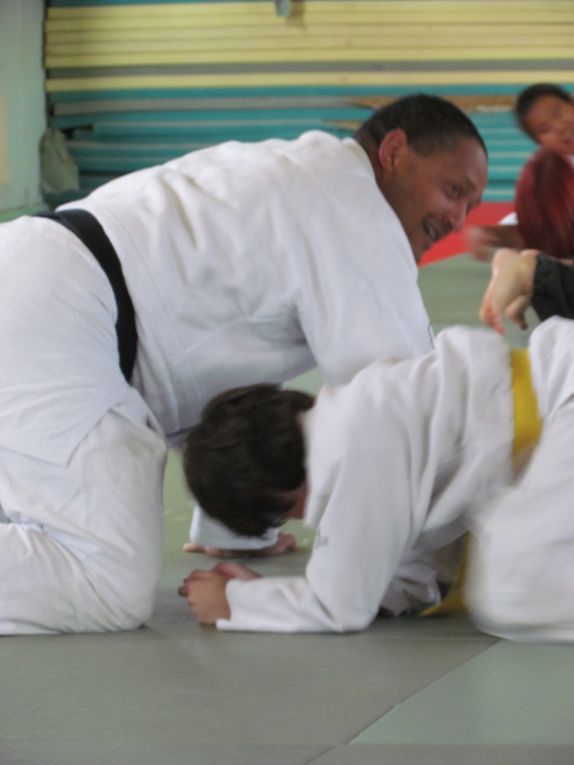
(516, 311)
(490, 316)
(196, 575)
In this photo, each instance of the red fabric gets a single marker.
(486, 214)
(545, 204)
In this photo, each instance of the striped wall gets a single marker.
(136, 83)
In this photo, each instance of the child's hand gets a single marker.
(205, 590)
(510, 288)
(205, 593)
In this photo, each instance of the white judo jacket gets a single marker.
(230, 286)
(233, 286)
(408, 455)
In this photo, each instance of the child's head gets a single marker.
(545, 112)
(245, 461)
(544, 204)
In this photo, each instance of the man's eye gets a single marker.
(455, 191)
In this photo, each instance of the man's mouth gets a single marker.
(433, 232)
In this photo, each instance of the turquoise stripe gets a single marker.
(496, 122)
(159, 148)
(214, 117)
(327, 90)
(213, 135)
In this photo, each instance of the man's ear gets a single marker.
(392, 149)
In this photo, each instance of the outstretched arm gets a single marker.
(510, 288)
(521, 279)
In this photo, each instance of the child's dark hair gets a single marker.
(246, 453)
(430, 123)
(529, 96)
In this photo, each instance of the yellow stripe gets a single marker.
(272, 55)
(415, 79)
(527, 428)
(328, 28)
(384, 15)
(110, 54)
(389, 9)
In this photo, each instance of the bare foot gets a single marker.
(285, 543)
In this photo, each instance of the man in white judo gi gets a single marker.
(121, 318)
(397, 462)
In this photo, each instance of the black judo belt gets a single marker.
(88, 230)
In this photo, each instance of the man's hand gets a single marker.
(205, 590)
(510, 288)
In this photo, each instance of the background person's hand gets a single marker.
(483, 241)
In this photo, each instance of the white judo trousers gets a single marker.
(230, 287)
(81, 455)
(407, 456)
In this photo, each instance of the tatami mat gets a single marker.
(406, 754)
(496, 698)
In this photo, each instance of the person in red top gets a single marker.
(543, 275)
(545, 112)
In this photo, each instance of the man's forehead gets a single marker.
(467, 159)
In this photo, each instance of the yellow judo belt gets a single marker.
(527, 427)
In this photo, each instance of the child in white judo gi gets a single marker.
(242, 263)
(399, 461)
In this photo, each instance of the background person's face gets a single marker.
(551, 124)
(433, 194)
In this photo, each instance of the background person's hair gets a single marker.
(544, 204)
(529, 96)
(430, 123)
(246, 453)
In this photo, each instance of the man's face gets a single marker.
(431, 194)
(551, 124)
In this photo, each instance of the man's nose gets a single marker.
(457, 215)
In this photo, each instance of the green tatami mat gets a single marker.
(511, 694)
(406, 754)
